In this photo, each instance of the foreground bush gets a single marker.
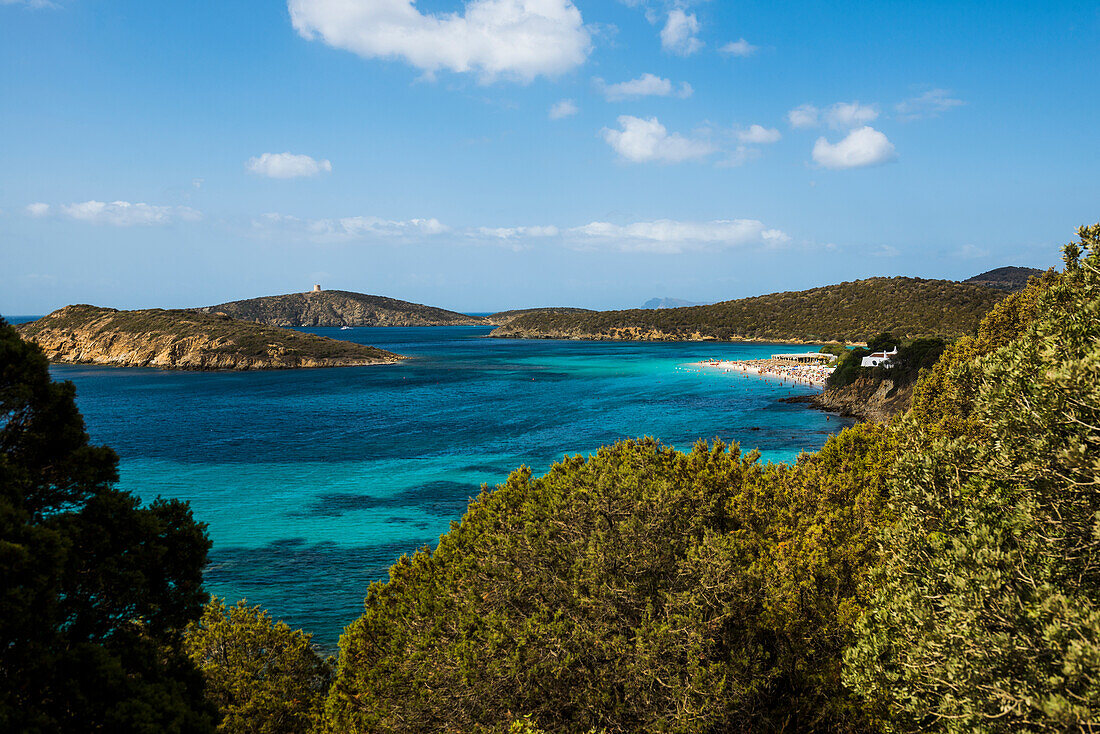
(264, 677)
(988, 612)
(642, 589)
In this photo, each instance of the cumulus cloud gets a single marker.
(759, 134)
(641, 140)
(803, 116)
(516, 39)
(863, 147)
(38, 209)
(647, 85)
(671, 236)
(286, 165)
(929, 104)
(349, 228)
(562, 109)
(740, 47)
(847, 115)
(679, 34)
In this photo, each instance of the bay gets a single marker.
(313, 482)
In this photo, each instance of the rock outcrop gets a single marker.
(186, 340)
(340, 308)
(868, 399)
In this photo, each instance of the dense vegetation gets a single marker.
(95, 589)
(1010, 279)
(104, 329)
(849, 312)
(339, 308)
(263, 677)
(505, 317)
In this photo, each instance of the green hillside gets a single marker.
(851, 312)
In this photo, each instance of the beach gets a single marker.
(772, 368)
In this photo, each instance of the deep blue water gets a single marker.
(314, 481)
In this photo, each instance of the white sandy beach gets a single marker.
(772, 369)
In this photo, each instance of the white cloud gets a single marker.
(562, 109)
(286, 165)
(349, 228)
(863, 147)
(517, 39)
(510, 233)
(678, 35)
(648, 140)
(803, 116)
(929, 104)
(759, 134)
(847, 115)
(740, 47)
(671, 236)
(119, 213)
(647, 85)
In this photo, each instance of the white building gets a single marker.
(880, 359)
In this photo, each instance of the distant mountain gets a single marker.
(1009, 279)
(504, 317)
(186, 340)
(848, 312)
(669, 303)
(340, 308)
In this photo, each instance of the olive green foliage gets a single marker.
(912, 357)
(95, 589)
(264, 677)
(987, 610)
(235, 336)
(848, 312)
(1010, 279)
(642, 589)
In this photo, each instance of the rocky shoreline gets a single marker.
(185, 340)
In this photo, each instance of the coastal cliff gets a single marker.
(869, 399)
(340, 308)
(186, 340)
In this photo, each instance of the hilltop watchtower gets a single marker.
(316, 288)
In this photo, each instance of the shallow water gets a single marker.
(314, 481)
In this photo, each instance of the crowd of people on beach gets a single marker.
(784, 371)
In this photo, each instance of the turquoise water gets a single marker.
(313, 481)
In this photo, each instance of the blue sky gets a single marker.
(508, 153)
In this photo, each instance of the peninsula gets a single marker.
(186, 340)
(339, 308)
(850, 312)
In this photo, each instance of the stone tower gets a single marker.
(316, 288)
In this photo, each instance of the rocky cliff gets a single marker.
(868, 399)
(340, 308)
(186, 340)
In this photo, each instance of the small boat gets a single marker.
(345, 327)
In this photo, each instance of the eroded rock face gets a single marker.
(872, 400)
(185, 340)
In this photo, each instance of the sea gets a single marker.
(313, 482)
